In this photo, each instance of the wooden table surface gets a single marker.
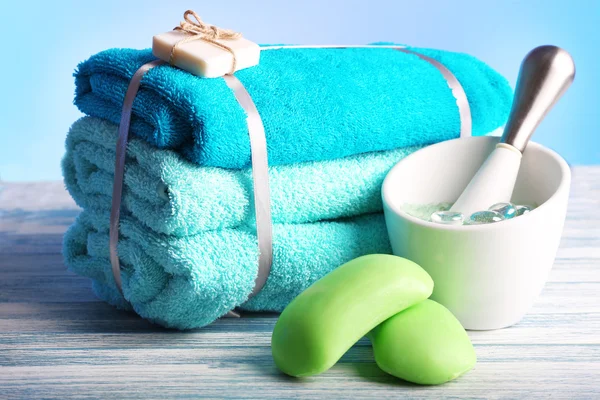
(57, 340)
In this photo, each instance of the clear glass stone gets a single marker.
(484, 217)
(507, 210)
(522, 209)
(448, 217)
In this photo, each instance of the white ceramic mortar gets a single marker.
(487, 275)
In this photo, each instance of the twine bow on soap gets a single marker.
(199, 30)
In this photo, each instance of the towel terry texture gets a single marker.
(173, 196)
(336, 121)
(316, 104)
(189, 282)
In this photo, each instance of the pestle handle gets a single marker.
(545, 74)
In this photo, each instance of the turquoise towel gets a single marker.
(316, 104)
(173, 196)
(189, 282)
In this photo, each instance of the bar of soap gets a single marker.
(205, 59)
(325, 320)
(423, 344)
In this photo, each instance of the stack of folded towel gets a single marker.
(336, 121)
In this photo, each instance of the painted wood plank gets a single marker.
(256, 377)
(58, 341)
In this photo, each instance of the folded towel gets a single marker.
(189, 282)
(316, 104)
(173, 196)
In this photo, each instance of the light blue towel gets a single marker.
(316, 104)
(173, 196)
(189, 282)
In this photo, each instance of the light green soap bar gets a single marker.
(325, 320)
(423, 344)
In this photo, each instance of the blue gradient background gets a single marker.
(44, 41)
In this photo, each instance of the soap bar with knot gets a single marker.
(204, 58)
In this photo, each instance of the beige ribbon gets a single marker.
(260, 177)
(260, 181)
(258, 149)
(199, 30)
(458, 92)
(121, 150)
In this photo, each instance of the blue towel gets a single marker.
(173, 196)
(316, 104)
(189, 282)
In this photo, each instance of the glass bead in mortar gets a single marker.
(484, 217)
(507, 210)
(448, 217)
(520, 210)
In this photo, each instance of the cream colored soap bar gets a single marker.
(205, 59)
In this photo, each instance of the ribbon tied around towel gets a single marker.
(199, 30)
(258, 144)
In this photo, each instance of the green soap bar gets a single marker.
(423, 344)
(325, 320)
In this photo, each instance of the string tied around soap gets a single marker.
(199, 30)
